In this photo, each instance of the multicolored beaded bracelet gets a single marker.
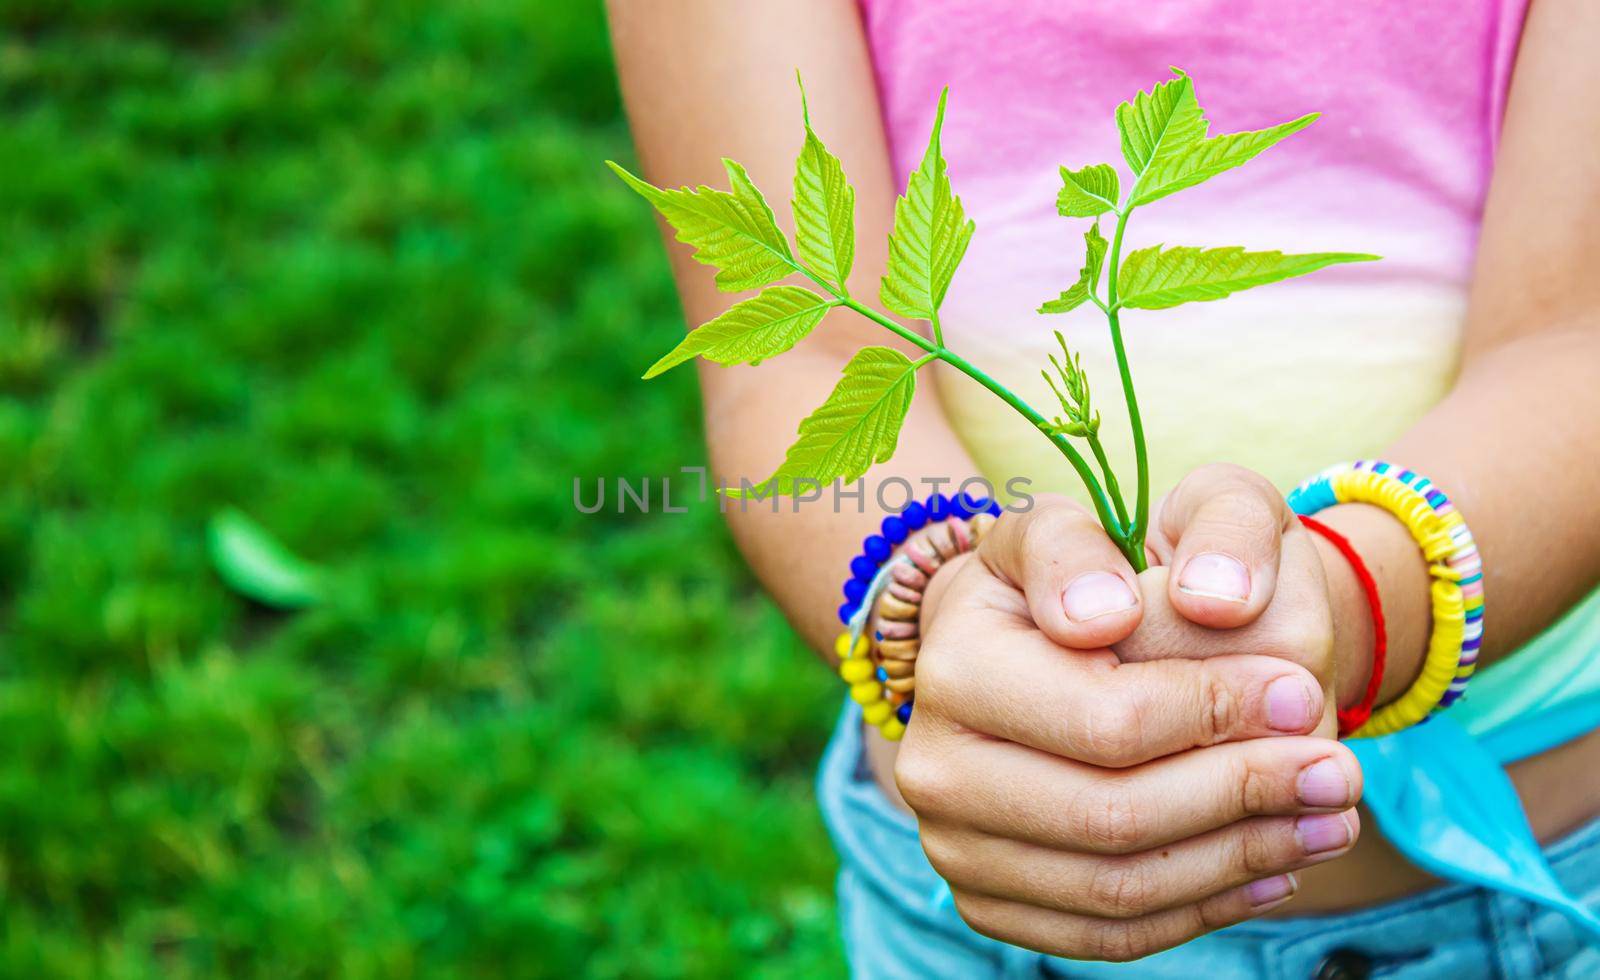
(888, 589)
(1453, 564)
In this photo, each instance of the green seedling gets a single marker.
(1166, 146)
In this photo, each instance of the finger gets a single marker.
(1119, 940)
(1011, 791)
(1296, 627)
(1081, 591)
(1225, 525)
(991, 675)
(1125, 887)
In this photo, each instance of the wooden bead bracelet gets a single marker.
(887, 589)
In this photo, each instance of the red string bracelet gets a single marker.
(1356, 715)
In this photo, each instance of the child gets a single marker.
(1093, 804)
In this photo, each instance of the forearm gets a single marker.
(736, 96)
(1513, 445)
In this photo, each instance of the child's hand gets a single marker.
(1238, 574)
(1091, 808)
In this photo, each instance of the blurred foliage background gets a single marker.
(356, 269)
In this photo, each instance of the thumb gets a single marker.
(1224, 527)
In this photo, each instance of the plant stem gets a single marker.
(883, 321)
(1134, 547)
(1097, 494)
(1112, 490)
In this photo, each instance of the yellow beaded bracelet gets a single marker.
(857, 669)
(1452, 558)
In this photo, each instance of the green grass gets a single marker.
(356, 269)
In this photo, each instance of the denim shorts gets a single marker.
(895, 924)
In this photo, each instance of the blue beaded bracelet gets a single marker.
(876, 548)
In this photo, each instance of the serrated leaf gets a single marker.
(255, 565)
(1156, 278)
(733, 230)
(931, 233)
(856, 427)
(1159, 123)
(1088, 277)
(1088, 192)
(1203, 159)
(824, 209)
(751, 330)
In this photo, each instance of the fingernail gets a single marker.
(1215, 576)
(1270, 891)
(1320, 832)
(1289, 705)
(1324, 784)
(1094, 594)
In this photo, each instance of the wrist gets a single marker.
(1354, 632)
(1396, 565)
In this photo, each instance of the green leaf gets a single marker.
(1156, 278)
(1088, 277)
(1070, 299)
(856, 427)
(1089, 192)
(1095, 254)
(255, 565)
(1204, 159)
(733, 231)
(824, 208)
(751, 330)
(930, 236)
(1158, 124)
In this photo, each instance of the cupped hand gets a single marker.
(1096, 809)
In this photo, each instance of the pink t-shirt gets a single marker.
(1286, 378)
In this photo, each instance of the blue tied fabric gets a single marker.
(1439, 790)
(1449, 807)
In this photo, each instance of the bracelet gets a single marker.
(888, 588)
(1463, 560)
(1453, 564)
(1352, 718)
